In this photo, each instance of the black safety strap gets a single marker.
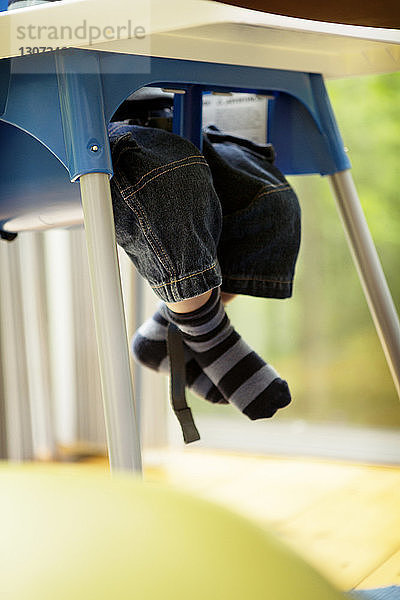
(178, 380)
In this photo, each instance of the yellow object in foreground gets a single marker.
(66, 533)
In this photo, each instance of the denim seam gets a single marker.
(154, 287)
(148, 233)
(280, 188)
(174, 162)
(132, 193)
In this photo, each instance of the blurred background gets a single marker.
(322, 341)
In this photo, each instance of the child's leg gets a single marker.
(149, 348)
(168, 219)
(220, 366)
(190, 304)
(244, 379)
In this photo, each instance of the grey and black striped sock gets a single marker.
(149, 348)
(242, 376)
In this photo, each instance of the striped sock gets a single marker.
(244, 379)
(149, 348)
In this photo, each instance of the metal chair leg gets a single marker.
(370, 270)
(36, 344)
(17, 417)
(61, 335)
(121, 425)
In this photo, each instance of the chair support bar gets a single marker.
(370, 270)
(116, 381)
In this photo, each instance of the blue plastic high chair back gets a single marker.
(84, 89)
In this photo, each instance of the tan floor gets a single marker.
(343, 518)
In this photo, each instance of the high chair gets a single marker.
(55, 105)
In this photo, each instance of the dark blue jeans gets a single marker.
(191, 222)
